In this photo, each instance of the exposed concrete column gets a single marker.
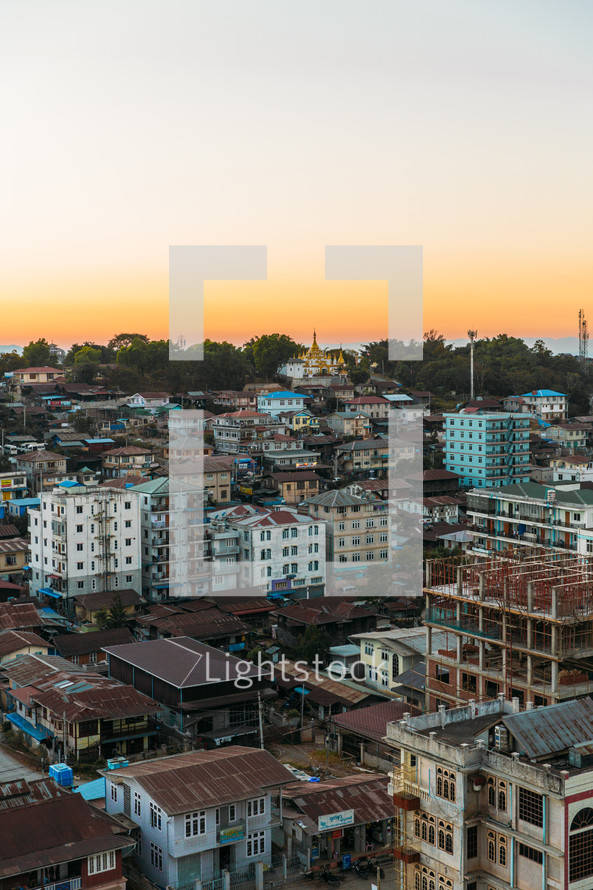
(362, 753)
(530, 671)
(226, 877)
(529, 632)
(284, 866)
(555, 677)
(259, 877)
(197, 884)
(459, 581)
(481, 653)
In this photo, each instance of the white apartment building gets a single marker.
(547, 404)
(279, 549)
(490, 798)
(199, 813)
(84, 541)
(276, 403)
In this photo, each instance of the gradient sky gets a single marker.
(464, 127)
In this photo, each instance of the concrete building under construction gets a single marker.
(517, 625)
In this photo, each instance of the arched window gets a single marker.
(417, 880)
(424, 828)
(417, 825)
(502, 850)
(491, 846)
(491, 792)
(580, 844)
(431, 831)
(439, 783)
(502, 795)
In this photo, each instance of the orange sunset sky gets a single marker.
(461, 127)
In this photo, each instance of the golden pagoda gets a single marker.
(317, 363)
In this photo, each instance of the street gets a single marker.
(11, 768)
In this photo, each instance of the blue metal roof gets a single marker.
(92, 790)
(543, 393)
(285, 394)
(37, 732)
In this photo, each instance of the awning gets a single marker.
(36, 732)
(47, 591)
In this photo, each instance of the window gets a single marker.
(156, 857)
(79, 566)
(491, 846)
(531, 807)
(256, 807)
(445, 783)
(195, 823)
(155, 816)
(232, 812)
(535, 855)
(127, 523)
(285, 533)
(502, 850)
(101, 862)
(256, 843)
(128, 542)
(114, 792)
(445, 836)
(137, 804)
(424, 878)
(128, 505)
(129, 562)
(79, 528)
(79, 546)
(217, 816)
(580, 860)
(472, 841)
(79, 509)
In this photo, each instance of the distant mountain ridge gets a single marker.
(11, 348)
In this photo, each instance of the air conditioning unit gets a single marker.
(501, 738)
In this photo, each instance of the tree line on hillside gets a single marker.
(503, 365)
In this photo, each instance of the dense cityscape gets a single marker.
(220, 666)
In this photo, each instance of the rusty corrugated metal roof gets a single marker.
(553, 729)
(185, 782)
(366, 795)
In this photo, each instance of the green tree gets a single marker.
(82, 423)
(315, 641)
(269, 352)
(36, 354)
(115, 616)
(120, 340)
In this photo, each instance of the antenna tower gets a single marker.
(583, 337)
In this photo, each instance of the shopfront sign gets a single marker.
(336, 820)
(230, 835)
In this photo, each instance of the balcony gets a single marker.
(66, 884)
(406, 790)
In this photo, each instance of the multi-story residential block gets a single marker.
(547, 404)
(349, 423)
(569, 435)
(126, 461)
(200, 813)
(528, 515)
(293, 487)
(13, 486)
(279, 549)
(357, 528)
(13, 559)
(244, 431)
(230, 398)
(275, 403)
(369, 454)
(487, 797)
(375, 407)
(487, 450)
(522, 626)
(54, 839)
(385, 654)
(84, 541)
(571, 468)
(171, 521)
(42, 469)
(300, 421)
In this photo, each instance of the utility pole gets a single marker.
(472, 336)
(261, 725)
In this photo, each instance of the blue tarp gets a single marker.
(47, 591)
(37, 732)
